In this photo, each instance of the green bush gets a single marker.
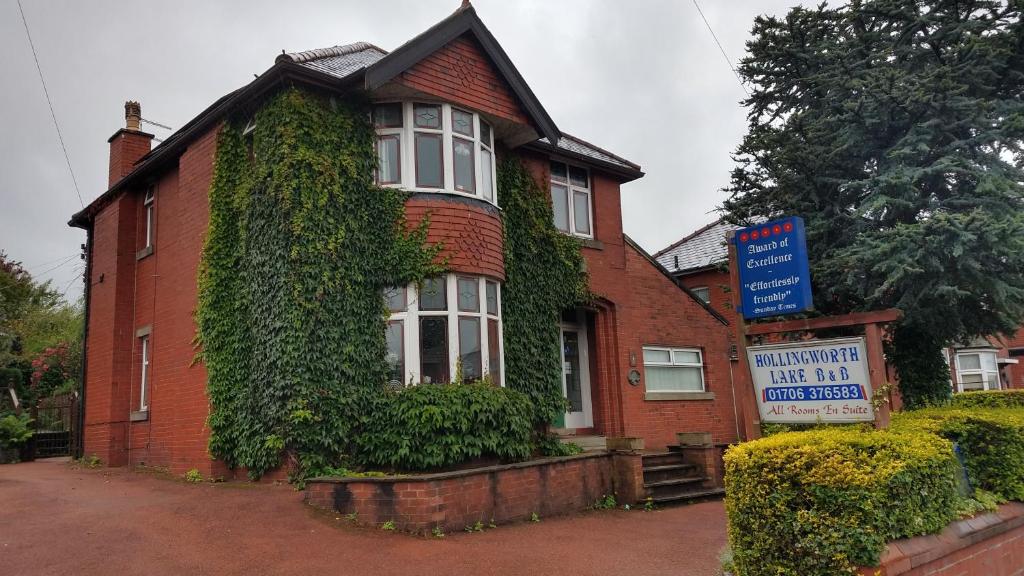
(991, 442)
(14, 430)
(433, 426)
(989, 399)
(825, 501)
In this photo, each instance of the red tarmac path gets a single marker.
(58, 519)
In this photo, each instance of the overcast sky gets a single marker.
(642, 78)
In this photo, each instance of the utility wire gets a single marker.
(50, 104)
(48, 263)
(720, 49)
(62, 264)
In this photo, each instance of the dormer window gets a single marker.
(452, 149)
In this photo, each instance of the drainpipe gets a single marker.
(87, 279)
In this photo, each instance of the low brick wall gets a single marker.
(499, 494)
(986, 545)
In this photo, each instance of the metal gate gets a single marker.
(55, 421)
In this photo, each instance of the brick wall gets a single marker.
(986, 545)
(157, 291)
(126, 147)
(454, 500)
(461, 72)
(469, 229)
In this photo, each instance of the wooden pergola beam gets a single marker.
(811, 324)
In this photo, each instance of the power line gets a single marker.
(62, 264)
(54, 261)
(720, 49)
(49, 103)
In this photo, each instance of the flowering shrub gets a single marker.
(822, 502)
(52, 369)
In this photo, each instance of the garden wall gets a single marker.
(990, 544)
(499, 494)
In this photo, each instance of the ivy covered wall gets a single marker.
(291, 316)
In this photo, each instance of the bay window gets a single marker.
(443, 325)
(452, 149)
(977, 370)
(571, 199)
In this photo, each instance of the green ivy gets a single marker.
(544, 275)
(300, 245)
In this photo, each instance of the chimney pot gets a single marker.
(132, 115)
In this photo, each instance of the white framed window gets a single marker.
(435, 147)
(673, 369)
(442, 324)
(147, 204)
(571, 199)
(977, 370)
(702, 292)
(144, 378)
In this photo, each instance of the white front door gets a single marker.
(576, 376)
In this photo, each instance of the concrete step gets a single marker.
(668, 472)
(687, 496)
(588, 443)
(653, 459)
(673, 485)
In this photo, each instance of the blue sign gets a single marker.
(772, 261)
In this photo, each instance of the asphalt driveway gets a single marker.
(58, 519)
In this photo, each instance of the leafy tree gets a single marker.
(894, 128)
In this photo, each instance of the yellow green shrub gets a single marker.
(989, 399)
(991, 442)
(825, 501)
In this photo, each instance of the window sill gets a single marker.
(140, 416)
(591, 243)
(659, 396)
(144, 252)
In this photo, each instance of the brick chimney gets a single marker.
(128, 144)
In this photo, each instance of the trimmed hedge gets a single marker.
(989, 399)
(437, 425)
(990, 440)
(825, 501)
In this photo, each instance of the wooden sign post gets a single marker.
(873, 324)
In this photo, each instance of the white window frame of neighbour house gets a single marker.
(481, 148)
(411, 316)
(147, 203)
(144, 377)
(675, 361)
(571, 192)
(989, 375)
(702, 292)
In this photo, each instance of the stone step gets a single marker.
(652, 459)
(668, 472)
(687, 496)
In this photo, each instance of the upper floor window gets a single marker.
(702, 292)
(443, 325)
(147, 204)
(452, 149)
(570, 199)
(977, 371)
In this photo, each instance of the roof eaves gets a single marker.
(688, 237)
(628, 173)
(462, 21)
(675, 280)
(177, 142)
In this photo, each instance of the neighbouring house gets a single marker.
(700, 262)
(646, 358)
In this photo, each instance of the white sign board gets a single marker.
(812, 381)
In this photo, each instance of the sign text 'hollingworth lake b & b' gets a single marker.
(816, 380)
(774, 275)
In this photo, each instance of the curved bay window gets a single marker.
(434, 147)
(443, 325)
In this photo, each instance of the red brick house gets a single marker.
(700, 262)
(648, 359)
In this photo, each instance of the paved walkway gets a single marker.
(56, 519)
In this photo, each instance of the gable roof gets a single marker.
(362, 64)
(701, 249)
(707, 307)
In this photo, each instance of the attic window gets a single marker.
(434, 147)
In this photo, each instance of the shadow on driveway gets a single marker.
(57, 519)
